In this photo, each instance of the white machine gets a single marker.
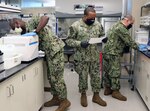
(25, 45)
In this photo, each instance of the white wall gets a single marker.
(136, 10)
(67, 6)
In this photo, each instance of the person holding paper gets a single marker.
(86, 56)
(118, 37)
(53, 48)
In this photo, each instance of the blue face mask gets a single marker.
(89, 21)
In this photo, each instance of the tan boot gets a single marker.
(64, 104)
(53, 102)
(97, 99)
(107, 91)
(117, 95)
(84, 99)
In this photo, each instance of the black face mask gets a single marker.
(23, 31)
(89, 21)
(129, 26)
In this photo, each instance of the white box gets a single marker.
(25, 45)
(142, 37)
(12, 61)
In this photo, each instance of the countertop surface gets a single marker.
(14, 70)
(146, 53)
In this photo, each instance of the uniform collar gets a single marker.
(122, 24)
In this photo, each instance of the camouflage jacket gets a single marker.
(118, 38)
(48, 42)
(78, 32)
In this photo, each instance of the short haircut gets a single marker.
(89, 9)
(14, 20)
(128, 16)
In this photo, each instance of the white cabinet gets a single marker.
(142, 74)
(9, 93)
(24, 91)
(39, 86)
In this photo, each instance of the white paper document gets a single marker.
(96, 40)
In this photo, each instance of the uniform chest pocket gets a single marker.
(96, 33)
(82, 34)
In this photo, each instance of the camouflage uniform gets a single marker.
(86, 60)
(53, 48)
(118, 38)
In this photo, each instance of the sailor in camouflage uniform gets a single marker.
(118, 38)
(53, 48)
(86, 56)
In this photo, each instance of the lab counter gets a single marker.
(17, 89)
(146, 53)
(14, 70)
(142, 75)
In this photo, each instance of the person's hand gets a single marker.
(84, 44)
(105, 40)
(30, 34)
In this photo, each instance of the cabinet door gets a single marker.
(4, 97)
(143, 76)
(137, 69)
(147, 97)
(10, 95)
(17, 95)
(27, 88)
(39, 84)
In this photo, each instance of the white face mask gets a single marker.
(18, 30)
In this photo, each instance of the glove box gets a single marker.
(25, 45)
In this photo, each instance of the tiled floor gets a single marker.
(134, 102)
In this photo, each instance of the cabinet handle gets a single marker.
(22, 78)
(8, 92)
(146, 98)
(25, 76)
(139, 69)
(12, 89)
(37, 71)
(147, 76)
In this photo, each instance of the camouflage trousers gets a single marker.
(55, 71)
(91, 68)
(111, 71)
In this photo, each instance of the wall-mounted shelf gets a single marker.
(9, 9)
